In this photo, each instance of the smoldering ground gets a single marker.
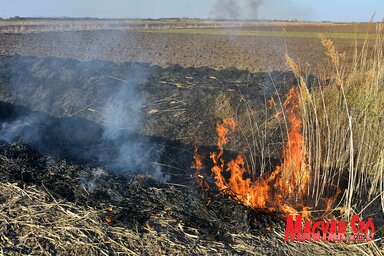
(55, 88)
(127, 117)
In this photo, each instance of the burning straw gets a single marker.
(283, 189)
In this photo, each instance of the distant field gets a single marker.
(186, 42)
(193, 26)
(242, 32)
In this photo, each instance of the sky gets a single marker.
(315, 10)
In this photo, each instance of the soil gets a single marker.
(261, 53)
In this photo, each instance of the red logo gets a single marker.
(330, 230)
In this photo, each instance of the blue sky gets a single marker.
(337, 10)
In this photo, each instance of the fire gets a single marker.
(108, 220)
(294, 173)
(198, 166)
(280, 190)
(198, 160)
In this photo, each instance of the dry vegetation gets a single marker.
(35, 223)
(343, 126)
(35, 25)
(342, 115)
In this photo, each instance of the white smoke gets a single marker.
(26, 127)
(122, 116)
(112, 139)
(122, 113)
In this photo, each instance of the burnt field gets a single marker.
(110, 141)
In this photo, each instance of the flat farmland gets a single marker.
(253, 46)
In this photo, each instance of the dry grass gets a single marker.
(33, 222)
(343, 125)
(223, 106)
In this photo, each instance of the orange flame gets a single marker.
(198, 160)
(294, 168)
(279, 190)
(198, 166)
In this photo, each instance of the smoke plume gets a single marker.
(232, 9)
(260, 9)
(121, 120)
(78, 111)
